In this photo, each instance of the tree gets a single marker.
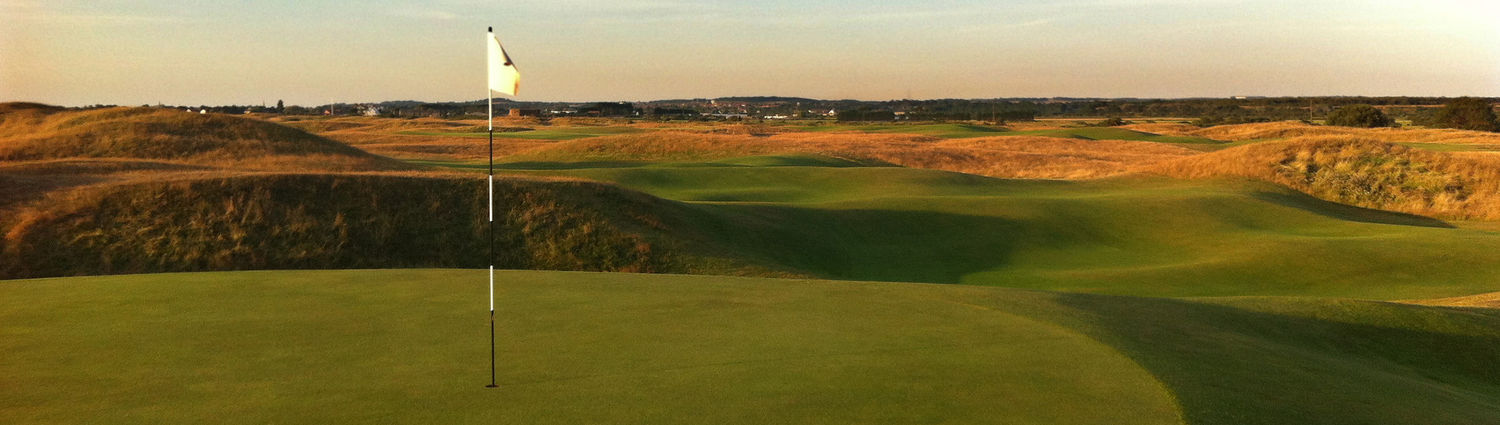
(1466, 113)
(280, 107)
(1359, 115)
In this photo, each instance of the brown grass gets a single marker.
(1487, 300)
(1003, 156)
(1169, 129)
(165, 134)
(279, 220)
(1291, 129)
(1360, 171)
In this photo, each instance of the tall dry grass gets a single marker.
(31, 133)
(1360, 171)
(1292, 129)
(278, 220)
(1001, 156)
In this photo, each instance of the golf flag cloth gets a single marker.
(504, 77)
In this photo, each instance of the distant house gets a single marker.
(673, 112)
(371, 110)
(608, 109)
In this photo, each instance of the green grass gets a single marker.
(557, 133)
(410, 346)
(1137, 236)
(775, 216)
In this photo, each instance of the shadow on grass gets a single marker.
(859, 244)
(1347, 212)
(1366, 363)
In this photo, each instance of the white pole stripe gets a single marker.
(492, 198)
(492, 288)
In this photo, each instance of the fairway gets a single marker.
(411, 346)
(1118, 236)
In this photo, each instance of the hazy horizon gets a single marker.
(310, 53)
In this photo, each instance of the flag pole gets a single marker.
(490, 97)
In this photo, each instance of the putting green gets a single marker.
(410, 346)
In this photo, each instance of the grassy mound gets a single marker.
(410, 346)
(1362, 172)
(1437, 139)
(39, 133)
(341, 221)
(785, 215)
(1007, 156)
(960, 131)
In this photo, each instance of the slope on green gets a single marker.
(1134, 236)
(410, 346)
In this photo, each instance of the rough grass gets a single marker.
(776, 216)
(1362, 172)
(342, 221)
(957, 131)
(932, 130)
(1010, 157)
(1487, 300)
(29, 133)
(409, 346)
(1294, 129)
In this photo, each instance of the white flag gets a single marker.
(504, 77)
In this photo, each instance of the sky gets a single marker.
(312, 52)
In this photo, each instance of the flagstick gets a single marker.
(491, 112)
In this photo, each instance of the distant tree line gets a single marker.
(1427, 111)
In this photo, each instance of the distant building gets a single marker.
(518, 112)
(608, 109)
